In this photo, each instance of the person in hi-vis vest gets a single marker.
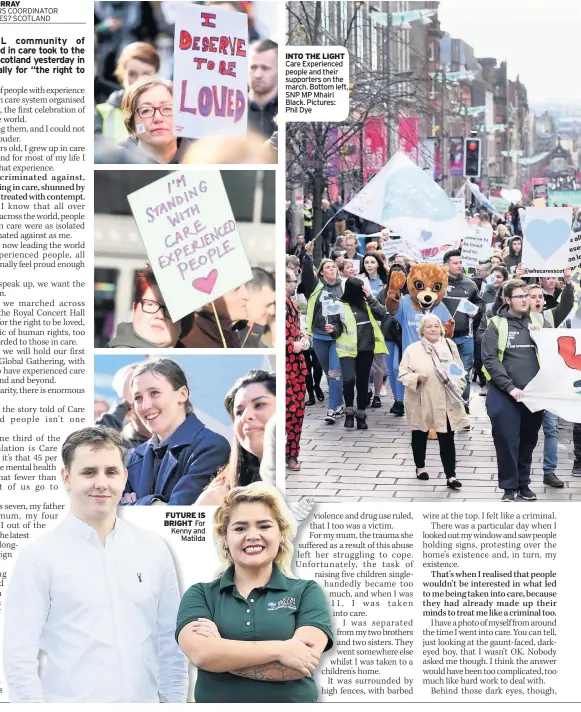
(510, 362)
(359, 338)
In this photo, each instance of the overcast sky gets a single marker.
(540, 39)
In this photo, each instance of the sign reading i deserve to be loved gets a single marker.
(192, 242)
(210, 72)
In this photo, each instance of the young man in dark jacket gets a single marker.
(555, 315)
(461, 289)
(509, 355)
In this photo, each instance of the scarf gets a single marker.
(439, 354)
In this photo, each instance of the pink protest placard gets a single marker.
(210, 72)
(191, 238)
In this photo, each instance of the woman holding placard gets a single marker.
(148, 113)
(323, 292)
(434, 378)
(183, 455)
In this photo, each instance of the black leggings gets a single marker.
(447, 449)
(356, 372)
(314, 372)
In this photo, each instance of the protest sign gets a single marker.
(329, 307)
(557, 385)
(460, 205)
(467, 307)
(575, 250)
(499, 203)
(476, 245)
(435, 255)
(455, 371)
(541, 188)
(403, 247)
(192, 242)
(546, 232)
(210, 72)
(405, 199)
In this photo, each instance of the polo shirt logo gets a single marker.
(288, 602)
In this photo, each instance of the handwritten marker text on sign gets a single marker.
(211, 72)
(191, 239)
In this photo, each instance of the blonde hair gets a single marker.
(263, 493)
(423, 321)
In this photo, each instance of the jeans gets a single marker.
(356, 372)
(392, 362)
(465, 346)
(551, 431)
(326, 352)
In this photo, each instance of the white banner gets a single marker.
(477, 245)
(546, 243)
(210, 72)
(557, 386)
(405, 199)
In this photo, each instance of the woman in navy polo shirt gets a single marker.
(255, 634)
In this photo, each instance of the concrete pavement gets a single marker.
(339, 465)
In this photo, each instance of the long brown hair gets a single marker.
(243, 467)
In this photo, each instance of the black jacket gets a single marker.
(261, 118)
(365, 335)
(461, 288)
(389, 326)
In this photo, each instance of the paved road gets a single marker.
(339, 465)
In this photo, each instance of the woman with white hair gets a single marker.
(433, 375)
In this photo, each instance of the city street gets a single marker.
(339, 465)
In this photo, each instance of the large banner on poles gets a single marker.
(557, 386)
(406, 200)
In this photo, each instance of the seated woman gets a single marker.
(182, 456)
(150, 325)
(255, 634)
(433, 395)
(251, 403)
(148, 114)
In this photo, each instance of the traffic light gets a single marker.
(472, 157)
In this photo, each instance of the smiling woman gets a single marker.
(148, 113)
(256, 634)
(183, 455)
(251, 403)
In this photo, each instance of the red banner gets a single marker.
(374, 146)
(409, 136)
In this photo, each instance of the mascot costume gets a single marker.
(427, 284)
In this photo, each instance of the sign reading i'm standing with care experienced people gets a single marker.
(191, 238)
